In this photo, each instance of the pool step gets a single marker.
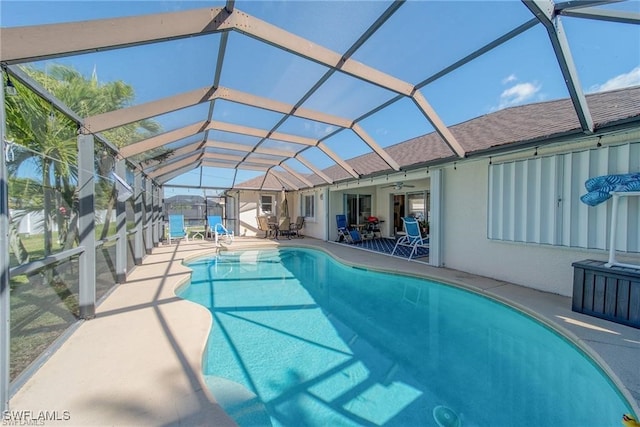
(240, 403)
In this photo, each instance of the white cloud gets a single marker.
(509, 79)
(317, 129)
(382, 132)
(518, 94)
(632, 78)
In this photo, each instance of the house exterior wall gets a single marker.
(250, 209)
(465, 244)
(317, 226)
(247, 213)
(467, 248)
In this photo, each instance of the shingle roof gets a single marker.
(545, 120)
(532, 122)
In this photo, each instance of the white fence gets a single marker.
(33, 222)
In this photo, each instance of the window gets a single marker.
(266, 204)
(308, 206)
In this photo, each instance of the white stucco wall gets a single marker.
(467, 248)
(317, 226)
(249, 211)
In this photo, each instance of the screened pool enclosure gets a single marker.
(110, 111)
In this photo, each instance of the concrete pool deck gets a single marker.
(139, 361)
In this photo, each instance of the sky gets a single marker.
(419, 40)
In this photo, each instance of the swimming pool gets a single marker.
(314, 342)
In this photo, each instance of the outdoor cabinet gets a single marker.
(611, 293)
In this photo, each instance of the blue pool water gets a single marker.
(300, 339)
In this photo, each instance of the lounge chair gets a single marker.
(413, 238)
(216, 229)
(344, 232)
(177, 230)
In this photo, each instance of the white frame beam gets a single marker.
(545, 12)
(29, 43)
(281, 178)
(296, 174)
(192, 161)
(313, 169)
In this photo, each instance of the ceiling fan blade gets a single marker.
(397, 185)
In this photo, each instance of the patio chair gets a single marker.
(413, 238)
(263, 225)
(274, 226)
(296, 227)
(344, 232)
(216, 229)
(284, 228)
(177, 230)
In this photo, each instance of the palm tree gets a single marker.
(47, 139)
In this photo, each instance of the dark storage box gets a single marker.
(611, 293)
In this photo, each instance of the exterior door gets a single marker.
(398, 211)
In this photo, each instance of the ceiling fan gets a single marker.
(397, 185)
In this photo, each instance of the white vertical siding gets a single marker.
(520, 212)
(633, 203)
(495, 207)
(533, 191)
(508, 200)
(538, 200)
(598, 215)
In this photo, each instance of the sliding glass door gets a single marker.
(410, 204)
(357, 208)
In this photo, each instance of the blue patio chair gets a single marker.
(344, 232)
(413, 238)
(217, 230)
(177, 230)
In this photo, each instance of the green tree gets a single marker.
(48, 140)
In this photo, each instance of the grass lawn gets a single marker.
(43, 305)
(40, 312)
(34, 244)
